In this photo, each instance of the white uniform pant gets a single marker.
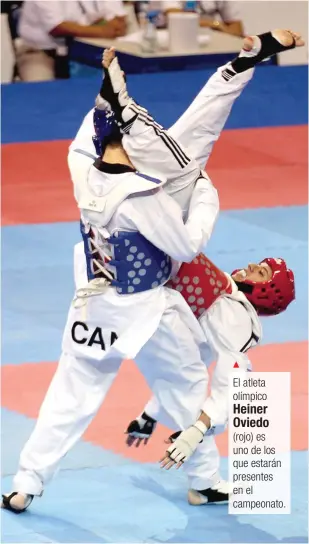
(172, 366)
(200, 126)
(196, 131)
(202, 468)
(178, 381)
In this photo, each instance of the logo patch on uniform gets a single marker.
(96, 336)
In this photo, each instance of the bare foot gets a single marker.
(108, 57)
(285, 37)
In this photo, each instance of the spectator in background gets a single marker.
(223, 16)
(12, 10)
(47, 27)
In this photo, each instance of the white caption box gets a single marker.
(260, 442)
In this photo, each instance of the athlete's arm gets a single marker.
(159, 219)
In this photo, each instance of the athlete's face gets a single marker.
(257, 273)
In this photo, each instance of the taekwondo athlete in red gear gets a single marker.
(227, 307)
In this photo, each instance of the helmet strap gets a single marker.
(244, 287)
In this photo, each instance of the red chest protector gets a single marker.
(200, 283)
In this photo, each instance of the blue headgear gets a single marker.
(105, 125)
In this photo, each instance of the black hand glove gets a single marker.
(140, 430)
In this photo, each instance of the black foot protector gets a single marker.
(269, 47)
(6, 503)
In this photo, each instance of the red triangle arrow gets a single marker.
(236, 365)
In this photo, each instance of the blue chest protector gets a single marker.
(139, 265)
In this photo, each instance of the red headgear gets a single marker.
(273, 296)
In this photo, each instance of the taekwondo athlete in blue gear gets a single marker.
(132, 231)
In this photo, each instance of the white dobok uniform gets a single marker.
(154, 327)
(231, 327)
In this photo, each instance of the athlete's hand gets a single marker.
(184, 446)
(140, 430)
